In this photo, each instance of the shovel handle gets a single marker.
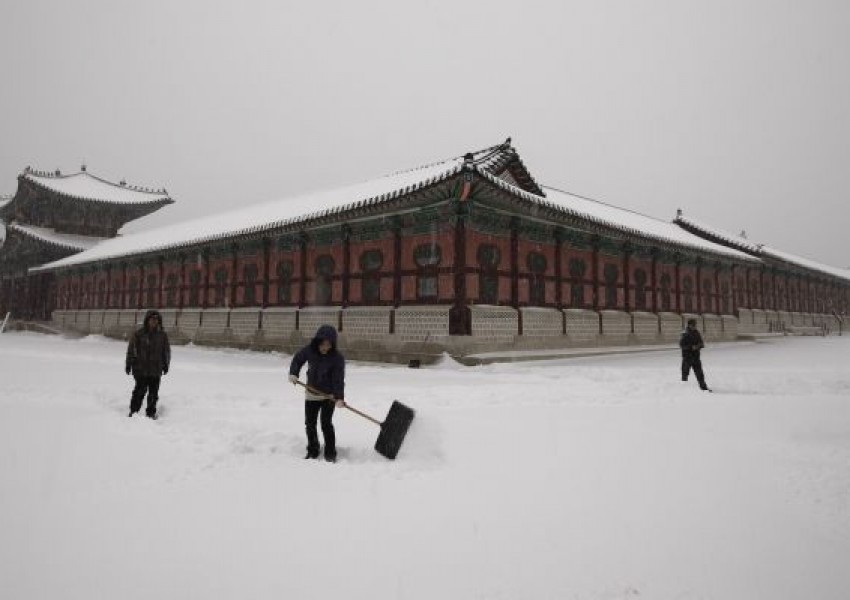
(313, 390)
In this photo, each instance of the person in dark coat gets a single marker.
(325, 374)
(148, 359)
(691, 343)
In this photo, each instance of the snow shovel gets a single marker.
(393, 429)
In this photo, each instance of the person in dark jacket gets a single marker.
(148, 359)
(325, 374)
(691, 343)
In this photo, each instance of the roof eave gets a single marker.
(539, 200)
(157, 200)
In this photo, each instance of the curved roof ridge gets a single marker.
(736, 241)
(46, 235)
(629, 228)
(83, 185)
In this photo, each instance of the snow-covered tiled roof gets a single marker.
(724, 237)
(620, 218)
(85, 186)
(279, 213)
(78, 243)
(805, 262)
(701, 228)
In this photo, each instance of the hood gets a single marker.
(325, 332)
(148, 315)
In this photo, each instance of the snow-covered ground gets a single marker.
(592, 478)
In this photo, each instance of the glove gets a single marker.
(165, 370)
(128, 369)
(293, 379)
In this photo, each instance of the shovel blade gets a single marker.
(394, 429)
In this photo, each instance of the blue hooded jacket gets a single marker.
(325, 372)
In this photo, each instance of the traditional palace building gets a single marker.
(465, 255)
(53, 216)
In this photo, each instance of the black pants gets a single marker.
(145, 385)
(693, 362)
(312, 409)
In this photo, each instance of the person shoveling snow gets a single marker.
(325, 373)
(325, 390)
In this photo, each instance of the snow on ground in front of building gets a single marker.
(591, 478)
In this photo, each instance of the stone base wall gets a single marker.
(745, 321)
(542, 322)
(645, 327)
(279, 323)
(494, 322)
(96, 322)
(189, 323)
(367, 322)
(730, 327)
(671, 326)
(388, 334)
(169, 318)
(616, 326)
(214, 325)
(244, 324)
(421, 323)
(582, 325)
(310, 319)
(774, 323)
(759, 321)
(801, 319)
(712, 327)
(111, 319)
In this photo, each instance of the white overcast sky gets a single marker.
(736, 111)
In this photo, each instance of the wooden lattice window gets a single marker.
(151, 291)
(707, 295)
(101, 294)
(195, 288)
(577, 268)
(133, 287)
(489, 258)
(611, 274)
(688, 293)
(172, 284)
(324, 279)
(115, 300)
(536, 279)
(640, 289)
(220, 282)
(666, 283)
(371, 262)
(427, 258)
(285, 269)
(249, 274)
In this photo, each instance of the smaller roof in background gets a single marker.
(77, 243)
(737, 241)
(85, 186)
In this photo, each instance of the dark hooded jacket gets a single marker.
(691, 339)
(325, 372)
(149, 353)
